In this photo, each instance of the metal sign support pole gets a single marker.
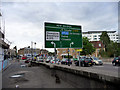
(79, 58)
(68, 58)
(55, 54)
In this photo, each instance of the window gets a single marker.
(99, 44)
(95, 39)
(73, 51)
(63, 51)
(95, 36)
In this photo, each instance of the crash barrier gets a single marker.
(75, 76)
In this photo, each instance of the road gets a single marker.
(34, 77)
(41, 77)
(107, 69)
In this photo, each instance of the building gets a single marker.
(98, 45)
(30, 51)
(44, 52)
(61, 52)
(95, 35)
(4, 46)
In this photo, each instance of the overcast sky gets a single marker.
(24, 22)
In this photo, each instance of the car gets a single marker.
(65, 61)
(53, 61)
(116, 61)
(40, 59)
(24, 58)
(27, 61)
(97, 61)
(85, 62)
(48, 59)
(75, 60)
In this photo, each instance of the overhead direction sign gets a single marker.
(62, 35)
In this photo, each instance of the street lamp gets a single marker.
(32, 48)
(71, 44)
(54, 44)
(68, 53)
(55, 50)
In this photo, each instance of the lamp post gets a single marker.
(54, 49)
(68, 53)
(32, 48)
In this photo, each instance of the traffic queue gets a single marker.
(81, 61)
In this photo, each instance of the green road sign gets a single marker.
(62, 35)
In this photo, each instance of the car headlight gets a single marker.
(97, 62)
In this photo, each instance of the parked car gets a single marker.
(116, 61)
(40, 59)
(85, 62)
(97, 61)
(65, 61)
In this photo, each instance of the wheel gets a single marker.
(91, 64)
(83, 64)
(114, 64)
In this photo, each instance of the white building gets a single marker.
(95, 35)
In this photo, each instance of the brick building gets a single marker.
(64, 52)
(98, 45)
(28, 51)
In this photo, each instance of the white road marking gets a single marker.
(116, 67)
(98, 66)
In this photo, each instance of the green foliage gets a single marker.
(104, 38)
(87, 47)
(113, 49)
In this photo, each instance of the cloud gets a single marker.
(25, 21)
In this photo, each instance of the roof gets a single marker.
(98, 32)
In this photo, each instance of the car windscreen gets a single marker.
(95, 58)
(88, 59)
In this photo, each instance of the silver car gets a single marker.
(97, 61)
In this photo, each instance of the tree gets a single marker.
(104, 38)
(87, 47)
(113, 49)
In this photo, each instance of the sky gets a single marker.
(24, 21)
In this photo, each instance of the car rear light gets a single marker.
(86, 61)
(116, 60)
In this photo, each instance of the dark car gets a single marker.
(27, 61)
(116, 61)
(85, 62)
(65, 61)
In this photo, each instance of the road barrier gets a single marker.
(107, 79)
